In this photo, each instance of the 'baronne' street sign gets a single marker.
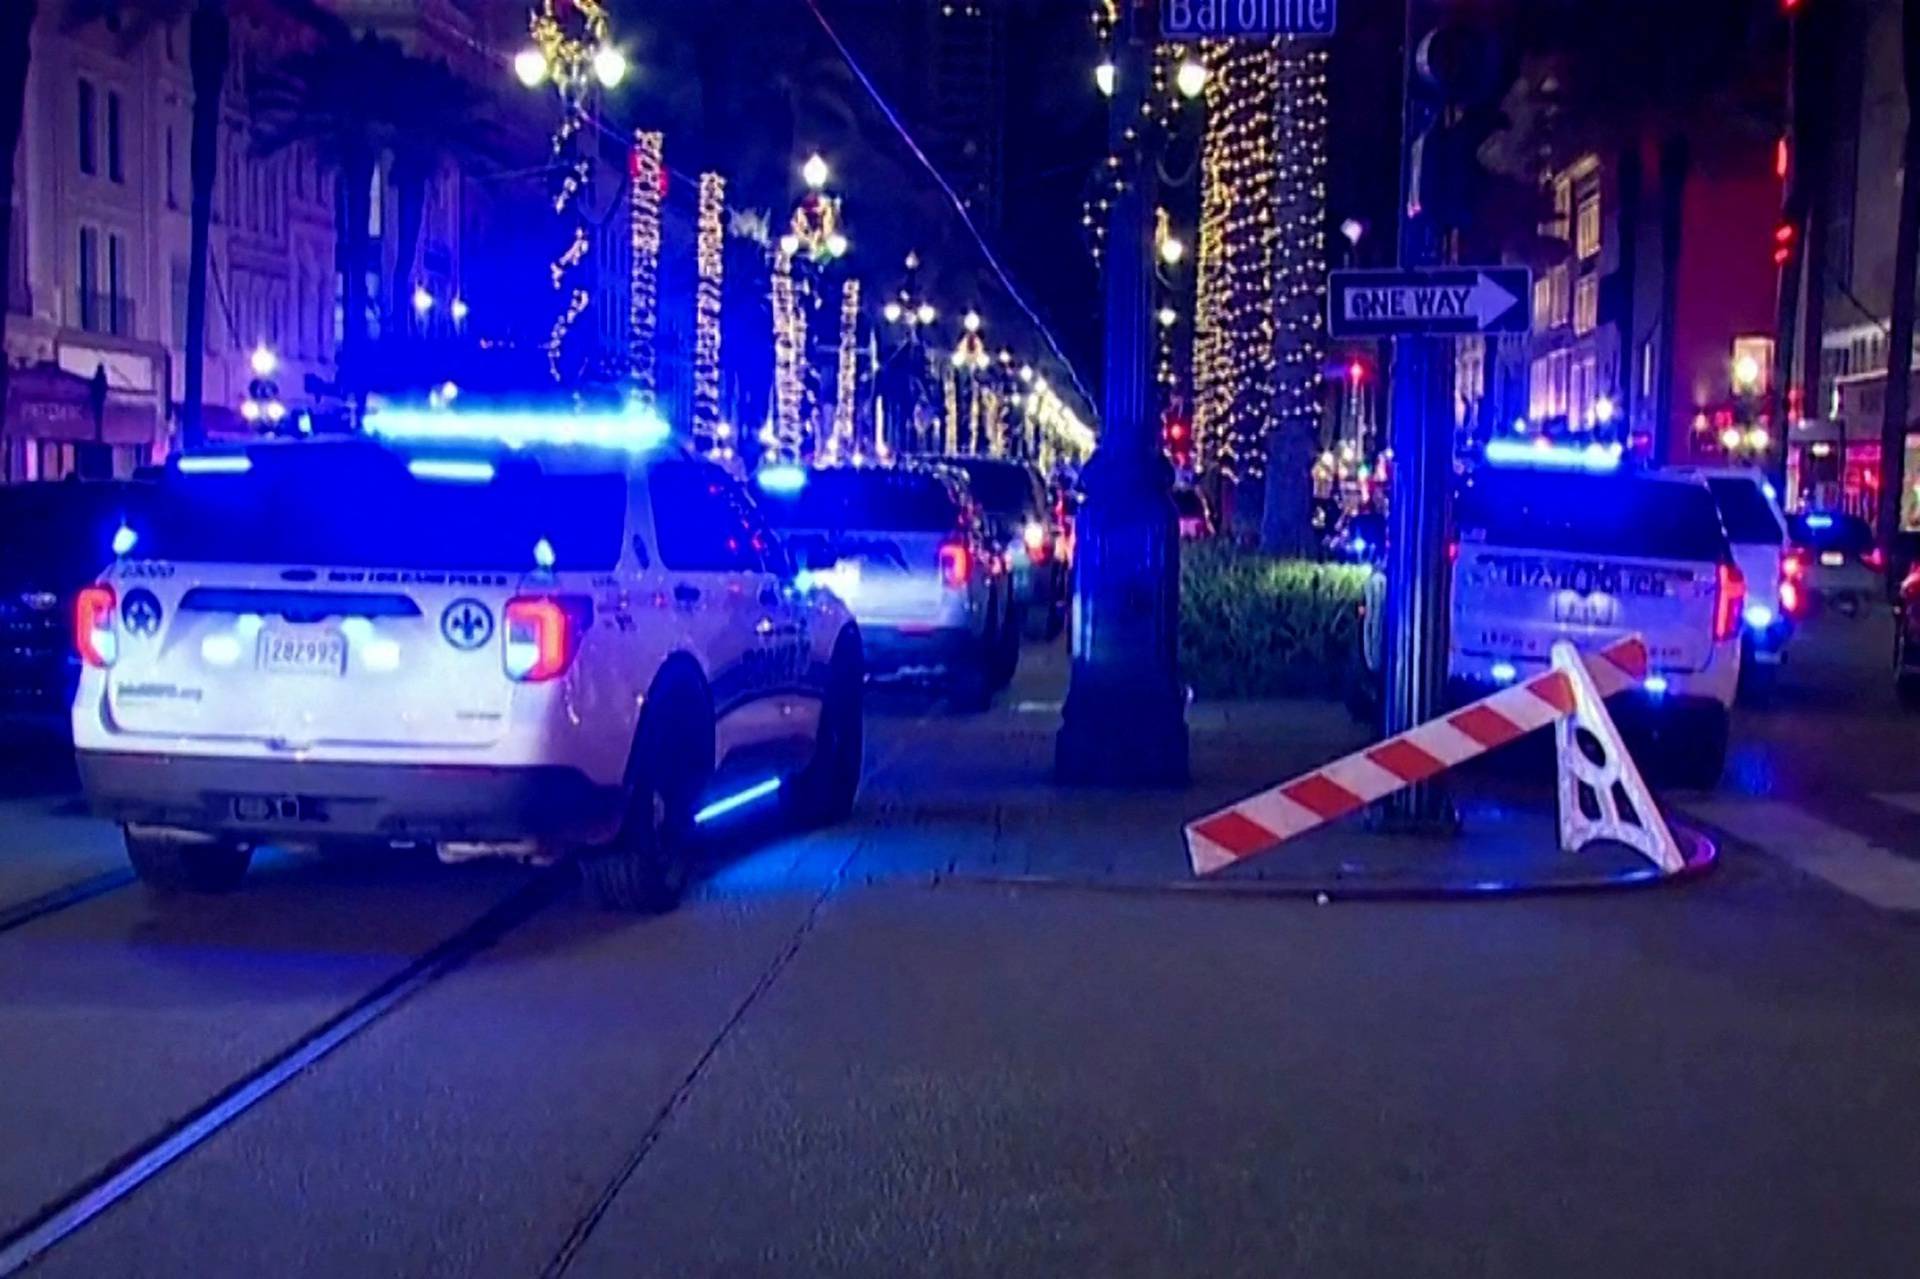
(1468, 299)
(1225, 19)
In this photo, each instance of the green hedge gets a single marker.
(1255, 626)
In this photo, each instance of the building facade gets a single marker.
(99, 253)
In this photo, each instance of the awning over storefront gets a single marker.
(45, 402)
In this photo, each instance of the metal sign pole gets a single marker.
(1421, 484)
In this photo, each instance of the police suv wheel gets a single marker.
(177, 862)
(645, 868)
(823, 793)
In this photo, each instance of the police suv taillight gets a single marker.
(1729, 601)
(93, 635)
(541, 634)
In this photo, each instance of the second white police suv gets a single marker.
(492, 634)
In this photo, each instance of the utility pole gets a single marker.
(1124, 723)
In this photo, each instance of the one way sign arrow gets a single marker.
(1491, 299)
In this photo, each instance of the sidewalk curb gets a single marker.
(1703, 857)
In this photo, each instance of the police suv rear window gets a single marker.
(360, 506)
(1004, 488)
(864, 498)
(1745, 510)
(1601, 515)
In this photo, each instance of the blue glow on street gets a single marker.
(1759, 617)
(634, 429)
(215, 464)
(781, 479)
(1593, 457)
(739, 799)
(456, 470)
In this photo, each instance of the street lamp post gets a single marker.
(1124, 722)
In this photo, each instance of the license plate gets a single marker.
(297, 653)
(1832, 559)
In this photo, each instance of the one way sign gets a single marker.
(1483, 299)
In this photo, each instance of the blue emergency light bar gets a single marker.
(214, 464)
(781, 479)
(456, 470)
(1819, 521)
(635, 428)
(1592, 457)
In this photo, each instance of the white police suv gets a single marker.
(459, 636)
(1591, 556)
(1545, 555)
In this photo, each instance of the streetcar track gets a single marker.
(58, 899)
(116, 1180)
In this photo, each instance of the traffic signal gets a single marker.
(1466, 67)
(1177, 439)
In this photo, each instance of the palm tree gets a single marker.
(1906, 262)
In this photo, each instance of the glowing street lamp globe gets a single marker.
(1190, 77)
(814, 172)
(530, 67)
(263, 361)
(1104, 77)
(892, 311)
(609, 66)
(926, 313)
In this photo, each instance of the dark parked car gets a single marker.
(1022, 522)
(54, 538)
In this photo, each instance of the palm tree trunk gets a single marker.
(410, 182)
(1906, 261)
(356, 205)
(16, 26)
(1675, 162)
(208, 39)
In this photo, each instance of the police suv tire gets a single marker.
(1697, 758)
(644, 869)
(176, 863)
(823, 792)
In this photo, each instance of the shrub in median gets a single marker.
(1255, 626)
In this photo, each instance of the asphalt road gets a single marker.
(816, 1068)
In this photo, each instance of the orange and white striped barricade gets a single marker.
(1570, 694)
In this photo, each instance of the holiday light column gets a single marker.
(1299, 296)
(710, 253)
(572, 48)
(646, 182)
(1233, 347)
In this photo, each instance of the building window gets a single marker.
(1586, 304)
(1646, 369)
(173, 173)
(1563, 199)
(116, 170)
(117, 281)
(1543, 302)
(89, 129)
(177, 287)
(1586, 230)
(89, 278)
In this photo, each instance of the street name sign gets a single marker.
(1245, 19)
(1447, 300)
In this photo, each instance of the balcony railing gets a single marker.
(104, 313)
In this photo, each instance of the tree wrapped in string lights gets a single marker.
(710, 252)
(646, 183)
(1258, 341)
(847, 384)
